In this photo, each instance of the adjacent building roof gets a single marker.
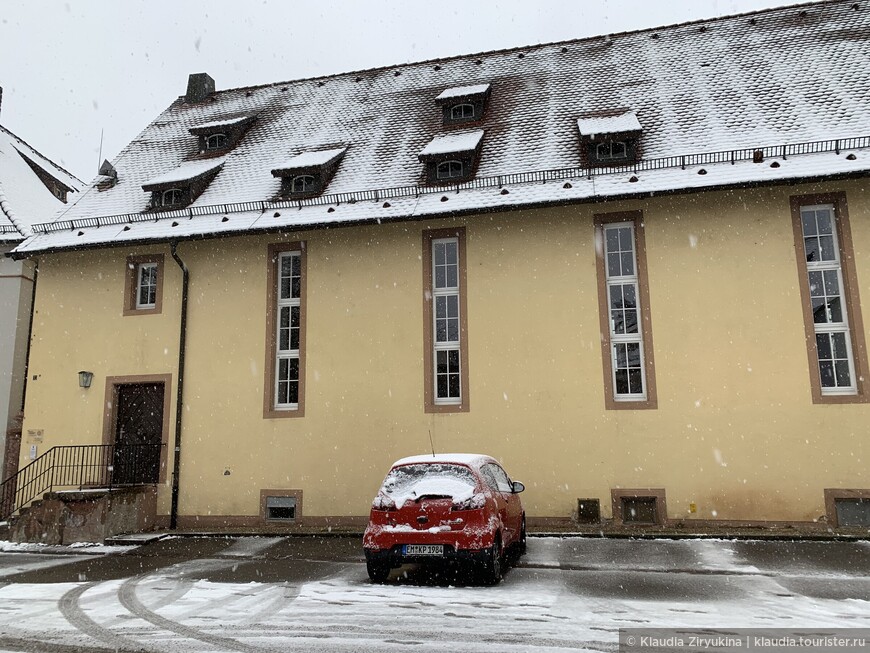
(24, 198)
(792, 82)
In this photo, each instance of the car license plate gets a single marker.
(423, 549)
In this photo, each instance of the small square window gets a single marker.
(588, 511)
(281, 508)
(143, 285)
(853, 512)
(639, 510)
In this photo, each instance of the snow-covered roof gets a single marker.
(187, 171)
(220, 124)
(24, 199)
(454, 142)
(705, 92)
(311, 159)
(618, 124)
(473, 459)
(463, 91)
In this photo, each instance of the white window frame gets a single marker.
(831, 327)
(624, 338)
(140, 285)
(287, 354)
(446, 345)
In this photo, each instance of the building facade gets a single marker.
(637, 286)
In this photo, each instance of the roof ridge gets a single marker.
(41, 155)
(527, 48)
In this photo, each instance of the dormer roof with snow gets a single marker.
(709, 95)
(32, 187)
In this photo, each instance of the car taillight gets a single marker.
(383, 502)
(474, 502)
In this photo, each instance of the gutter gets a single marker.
(176, 459)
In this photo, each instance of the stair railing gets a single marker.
(88, 466)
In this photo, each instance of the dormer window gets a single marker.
(451, 158)
(609, 138)
(303, 184)
(462, 112)
(215, 141)
(611, 151)
(171, 197)
(54, 185)
(308, 174)
(221, 135)
(180, 187)
(463, 104)
(450, 170)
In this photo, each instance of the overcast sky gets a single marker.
(71, 69)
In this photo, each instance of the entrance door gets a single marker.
(138, 433)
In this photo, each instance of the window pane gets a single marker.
(617, 320)
(453, 330)
(439, 254)
(452, 305)
(621, 358)
(621, 382)
(827, 245)
(453, 360)
(450, 250)
(441, 362)
(838, 340)
(612, 240)
(441, 306)
(440, 277)
(808, 222)
(811, 249)
(633, 351)
(824, 222)
(635, 381)
(294, 328)
(284, 328)
(452, 273)
(453, 385)
(441, 330)
(442, 386)
(841, 368)
(613, 269)
(823, 346)
(826, 372)
(817, 287)
(627, 263)
(625, 243)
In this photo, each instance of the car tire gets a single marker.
(493, 566)
(378, 571)
(521, 543)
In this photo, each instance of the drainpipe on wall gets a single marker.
(176, 463)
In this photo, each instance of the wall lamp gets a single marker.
(85, 379)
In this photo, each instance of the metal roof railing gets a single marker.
(680, 161)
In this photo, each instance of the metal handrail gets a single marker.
(781, 151)
(80, 466)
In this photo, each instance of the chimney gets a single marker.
(199, 87)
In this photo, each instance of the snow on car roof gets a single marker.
(474, 459)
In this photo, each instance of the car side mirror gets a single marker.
(517, 487)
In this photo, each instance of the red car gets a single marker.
(446, 508)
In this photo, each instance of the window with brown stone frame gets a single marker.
(624, 314)
(284, 391)
(143, 285)
(445, 328)
(834, 328)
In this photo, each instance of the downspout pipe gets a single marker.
(179, 399)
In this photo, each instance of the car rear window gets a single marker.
(411, 481)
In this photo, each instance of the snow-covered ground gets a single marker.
(567, 594)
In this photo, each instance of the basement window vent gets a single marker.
(281, 508)
(853, 512)
(639, 510)
(588, 511)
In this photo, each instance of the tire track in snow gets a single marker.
(70, 607)
(22, 644)
(127, 597)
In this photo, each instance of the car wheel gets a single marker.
(492, 567)
(378, 571)
(521, 544)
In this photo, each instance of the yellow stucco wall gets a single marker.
(735, 431)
